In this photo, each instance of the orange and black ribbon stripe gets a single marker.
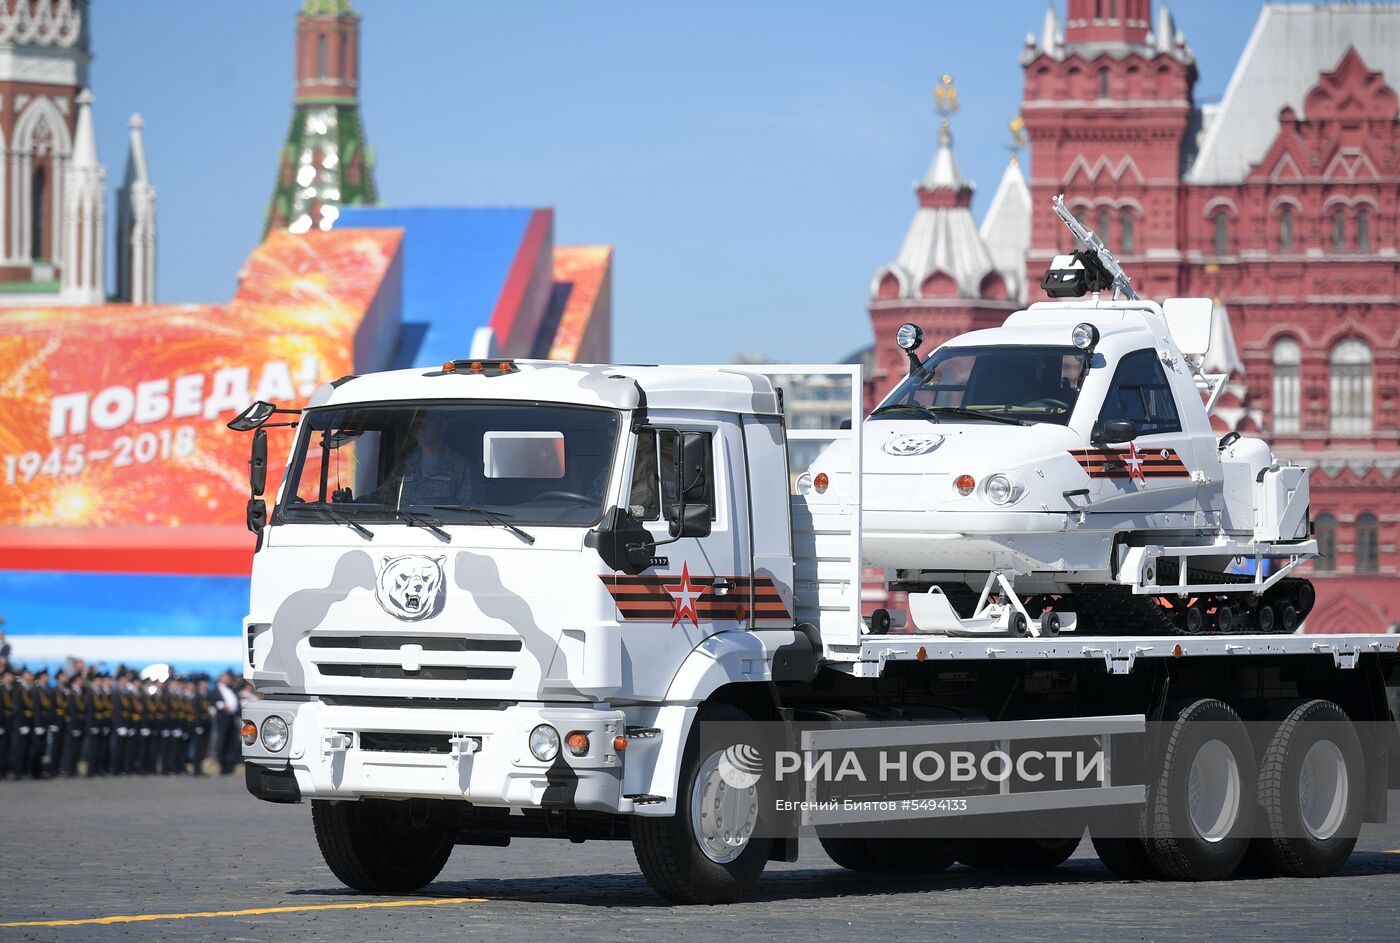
(645, 598)
(1113, 463)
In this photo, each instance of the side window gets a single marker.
(1140, 393)
(652, 480)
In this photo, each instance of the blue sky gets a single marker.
(752, 162)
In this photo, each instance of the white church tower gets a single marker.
(136, 226)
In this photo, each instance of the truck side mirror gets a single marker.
(689, 520)
(257, 515)
(255, 415)
(257, 464)
(623, 542)
(1118, 430)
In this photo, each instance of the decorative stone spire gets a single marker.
(84, 205)
(1006, 229)
(1052, 36)
(1165, 34)
(136, 225)
(326, 162)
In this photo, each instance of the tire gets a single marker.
(917, 855)
(1125, 857)
(1017, 626)
(1017, 854)
(853, 854)
(1288, 618)
(1049, 624)
(1201, 834)
(1308, 835)
(373, 846)
(668, 850)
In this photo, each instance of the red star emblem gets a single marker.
(685, 595)
(1134, 463)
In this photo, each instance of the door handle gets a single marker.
(721, 586)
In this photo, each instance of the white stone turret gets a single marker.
(136, 225)
(84, 212)
(1006, 229)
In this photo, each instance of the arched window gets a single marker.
(1339, 230)
(1351, 387)
(1287, 358)
(1285, 228)
(1125, 236)
(1325, 530)
(1368, 544)
(321, 56)
(1105, 226)
(1363, 229)
(1222, 232)
(1103, 82)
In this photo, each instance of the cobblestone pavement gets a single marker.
(85, 849)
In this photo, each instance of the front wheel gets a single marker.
(378, 846)
(709, 852)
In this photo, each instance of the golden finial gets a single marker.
(1017, 126)
(945, 96)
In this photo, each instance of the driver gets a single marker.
(429, 472)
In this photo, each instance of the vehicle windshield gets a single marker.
(457, 463)
(1027, 384)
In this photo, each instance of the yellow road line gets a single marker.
(256, 911)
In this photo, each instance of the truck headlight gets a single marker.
(274, 734)
(544, 743)
(1000, 489)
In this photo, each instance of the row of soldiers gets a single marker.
(112, 724)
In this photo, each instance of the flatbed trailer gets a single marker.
(434, 673)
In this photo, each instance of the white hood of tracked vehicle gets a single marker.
(911, 464)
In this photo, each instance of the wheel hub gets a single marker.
(1322, 789)
(1213, 791)
(722, 815)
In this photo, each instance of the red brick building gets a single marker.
(1282, 201)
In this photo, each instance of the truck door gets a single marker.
(1145, 482)
(702, 587)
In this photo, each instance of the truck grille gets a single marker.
(428, 643)
(426, 673)
(436, 658)
(393, 741)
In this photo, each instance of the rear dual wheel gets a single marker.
(1311, 777)
(1196, 822)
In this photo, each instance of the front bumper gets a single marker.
(477, 754)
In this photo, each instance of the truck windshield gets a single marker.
(1027, 384)
(455, 463)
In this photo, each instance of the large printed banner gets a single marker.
(113, 417)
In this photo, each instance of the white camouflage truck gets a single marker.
(507, 599)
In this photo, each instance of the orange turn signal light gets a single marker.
(450, 367)
(821, 482)
(577, 742)
(965, 484)
(619, 743)
(249, 733)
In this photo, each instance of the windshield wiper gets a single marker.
(924, 411)
(339, 518)
(416, 519)
(495, 517)
(978, 414)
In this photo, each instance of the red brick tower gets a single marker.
(1108, 108)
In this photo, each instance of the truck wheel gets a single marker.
(1021, 854)
(1198, 813)
(377, 847)
(918, 855)
(1125, 857)
(1310, 792)
(853, 854)
(707, 853)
